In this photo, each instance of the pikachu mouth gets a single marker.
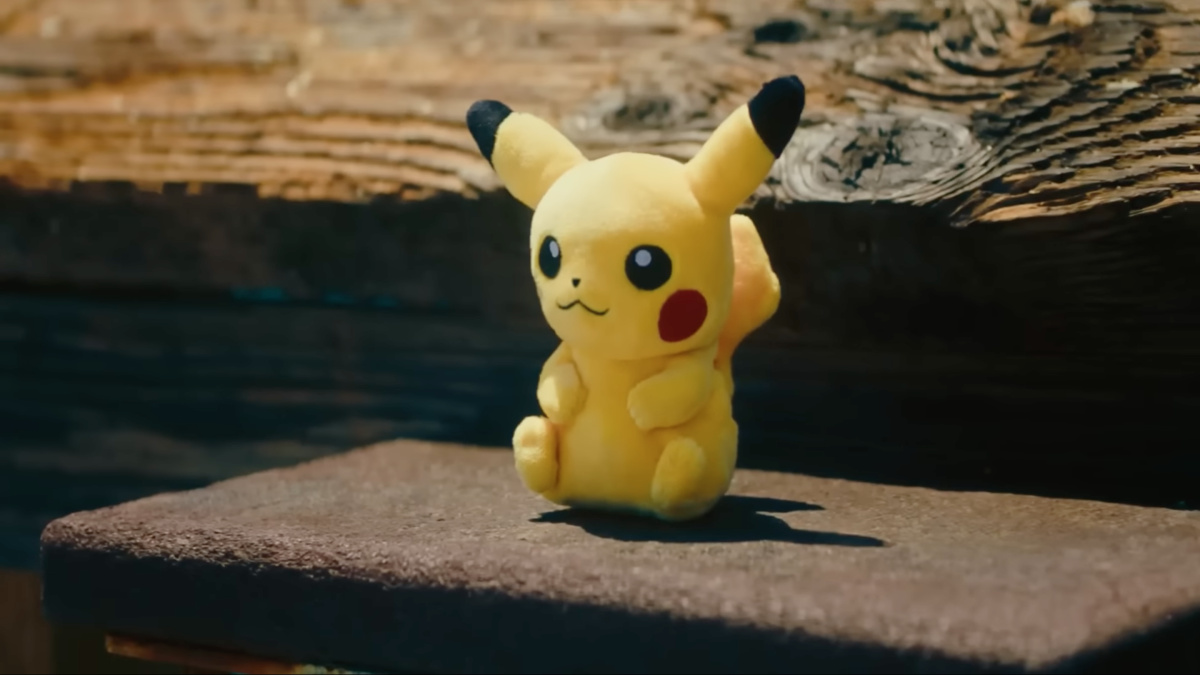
(581, 304)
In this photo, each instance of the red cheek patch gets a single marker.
(682, 315)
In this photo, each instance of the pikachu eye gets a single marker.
(550, 257)
(648, 267)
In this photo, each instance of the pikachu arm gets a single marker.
(677, 393)
(560, 392)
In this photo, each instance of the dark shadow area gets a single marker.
(1068, 427)
(31, 498)
(734, 519)
(1173, 646)
(1127, 447)
(81, 649)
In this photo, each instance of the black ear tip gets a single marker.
(483, 119)
(487, 108)
(791, 82)
(775, 111)
(785, 92)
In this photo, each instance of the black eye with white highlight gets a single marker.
(648, 267)
(550, 257)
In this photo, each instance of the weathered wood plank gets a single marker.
(1063, 172)
(855, 276)
(148, 395)
(111, 398)
(962, 102)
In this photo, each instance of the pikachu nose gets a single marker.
(575, 283)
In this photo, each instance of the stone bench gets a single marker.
(431, 557)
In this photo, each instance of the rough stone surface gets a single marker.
(416, 555)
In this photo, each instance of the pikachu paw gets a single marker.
(648, 409)
(561, 393)
(535, 449)
(669, 399)
(677, 479)
(643, 411)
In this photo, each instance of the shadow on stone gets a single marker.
(736, 518)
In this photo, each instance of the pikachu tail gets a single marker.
(755, 288)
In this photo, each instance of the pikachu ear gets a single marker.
(527, 153)
(738, 156)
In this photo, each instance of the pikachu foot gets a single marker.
(676, 487)
(535, 447)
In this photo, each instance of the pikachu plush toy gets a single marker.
(650, 280)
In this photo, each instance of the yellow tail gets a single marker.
(755, 289)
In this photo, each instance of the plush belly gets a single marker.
(606, 461)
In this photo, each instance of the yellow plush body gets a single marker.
(650, 280)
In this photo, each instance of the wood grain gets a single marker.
(1003, 109)
(1059, 133)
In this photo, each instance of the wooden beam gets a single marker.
(858, 277)
(1006, 110)
(106, 400)
(1062, 135)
